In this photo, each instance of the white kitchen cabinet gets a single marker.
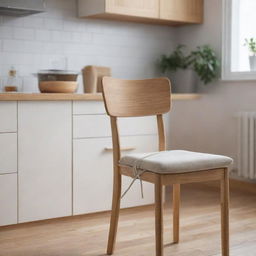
(89, 126)
(88, 107)
(93, 174)
(8, 199)
(86, 126)
(92, 170)
(8, 116)
(53, 161)
(45, 160)
(8, 155)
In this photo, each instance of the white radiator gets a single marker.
(247, 145)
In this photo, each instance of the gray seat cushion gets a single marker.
(175, 161)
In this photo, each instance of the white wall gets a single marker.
(209, 124)
(33, 42)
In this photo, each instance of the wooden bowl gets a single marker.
(57, 86)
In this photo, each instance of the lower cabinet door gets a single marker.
(45, 160)
(8, 199)
(93, 174)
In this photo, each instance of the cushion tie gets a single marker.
(137, 172)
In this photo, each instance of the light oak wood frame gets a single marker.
(127, 98)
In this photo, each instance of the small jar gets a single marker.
(13, 83)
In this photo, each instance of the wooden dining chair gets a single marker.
(136, 98)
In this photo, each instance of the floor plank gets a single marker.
(87, 235)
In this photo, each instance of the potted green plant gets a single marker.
(177, 67)
(186, 68)
(205, 63)
(251, 44)
(176, 60)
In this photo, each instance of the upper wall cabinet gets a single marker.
(140, 8)
(171, 12)
(190, 11)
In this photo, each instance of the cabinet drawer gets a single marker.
(88, 107)
(93, 174)
(91, 126)
(8, 116)
(99, 126)
(8, 156)
(8, 199)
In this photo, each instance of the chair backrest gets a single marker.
(135, 98)
(131, 98)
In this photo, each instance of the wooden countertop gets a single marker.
(73, 97)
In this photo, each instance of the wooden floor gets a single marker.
(87, 235)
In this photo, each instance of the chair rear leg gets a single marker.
(225, 213)
(159, 217)
(114, 214)
(176, 212)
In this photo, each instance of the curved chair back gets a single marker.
(132, 98)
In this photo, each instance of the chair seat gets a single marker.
(175, 161)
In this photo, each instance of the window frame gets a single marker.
(227, 74)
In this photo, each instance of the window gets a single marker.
(238, 24)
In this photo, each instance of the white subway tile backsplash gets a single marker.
(85, 37)
(53, 24)
(13, 21)
(31, 43)
(73, 25)
(42, 35)
(30, 84)
(22, 46)
(80, 61)
(20, 58)
(52, 48)
(13, 46)
(95, 26)
(78, 37)
(33, 22)
(60, 36)
(26, 70)
(24, 33)
(6, 32)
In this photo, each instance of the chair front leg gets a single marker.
(225, 213)
(176, 212)
(159, 216)
(114, 213)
